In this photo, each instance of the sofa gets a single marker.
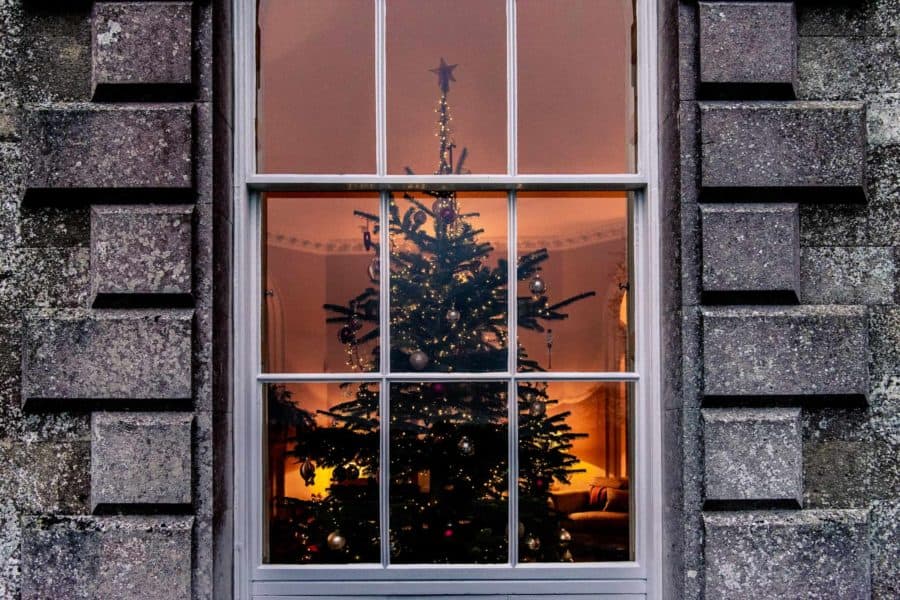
(598, 519)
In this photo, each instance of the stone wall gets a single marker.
(106, 274)
(790, 150)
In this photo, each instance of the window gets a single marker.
(445, 376)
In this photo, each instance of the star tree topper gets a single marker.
(445, 75)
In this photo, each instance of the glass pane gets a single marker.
(320, 307)
(448, 282)
(316, 96)
(574, 464)
(322, 473)
(576, 65)
(468, 37)
(574, 277)
(449, 476)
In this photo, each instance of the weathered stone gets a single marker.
(753, 454)
(140, 458)
(140, 250)
(847, 68)
(751, 248)
(786, 351)
(116, 557)
(749, 46)
(812, 147)
(79, 146)
(833, 224)
(841, 18)
(801, 554)
(106, 355)
(838, 275)
(54, 59)
(141, 44)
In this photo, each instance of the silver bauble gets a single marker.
(336, 541)
(465, 446)
(453, 316)
(537, 285)
(537, 408)
(418, 360)
(532, 542)
(374, 270)
(564, 537)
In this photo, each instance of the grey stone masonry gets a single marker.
(810, 554)
(785, 351)
(141, 44)
(140, 458)
(753, 455)
(106, 355)
(139, 558)
(751, 248)
(818, 148)
(144, 250)
(749, 47)
(83, 146)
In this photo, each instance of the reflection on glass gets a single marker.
(574, 459)
(321, 283)
(322, 473)
(446, 56)
(316, 97)
(448, 282)
(448, 493)
(574, 278)
(576, 66)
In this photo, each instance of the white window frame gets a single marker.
(638, 578)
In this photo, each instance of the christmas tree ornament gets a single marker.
(367, 240)
(308, 472)
(346, 335)
(567, 556)
(418, 360)
(540, 483)
(448, 530)
(438, 387)
(356, 323)
(465, 446)
(453, 316)
(549, 348)
(537, 285)
(339, 474)
(447, 214)
(532, 542)
(437, 206)
(374, 270)
(565, 538)
(352, 472)
(537, 408)
(419, 217)
(336, 541)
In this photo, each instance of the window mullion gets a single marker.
(384, 399)
(511, 89)
(380, 87)
(512, 346)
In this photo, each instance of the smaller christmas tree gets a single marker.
(449, 439)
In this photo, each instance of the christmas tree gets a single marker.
(448, 439)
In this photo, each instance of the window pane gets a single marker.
(322, 473)
(448, 282)
(316, 96)
(470, 35)
(574, 464)
(576, 67)
(321, 283)
(573, 281)
(449, 473)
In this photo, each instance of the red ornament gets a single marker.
(438, 388)
(448, 533)
(312, 548)
(346, 335)
(540, 483)
(367, 240)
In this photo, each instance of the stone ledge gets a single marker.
(753, 455)
(72, 147)
(140, 459)
(748, 49)
(751, 250)
(69, 557)
(811, 351)
(755, 150)
(141, 49)
(140, 250)
(787, 554)
(123, 357)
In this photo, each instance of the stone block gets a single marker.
(749, 48)
(139, 45)
(841, 275)
(815, 149)
(113, 355)
(787, 554)
(107, 147)
(140, 459)
(753, 455)
(139, 558)
(752, 249)
(819, 351)
(140, 251)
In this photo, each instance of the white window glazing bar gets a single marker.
(288, 182)
(384, 354)
(380, 89)
(437, 376)
(512, 396)
(512, 145)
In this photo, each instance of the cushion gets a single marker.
(618, 483)
(598, 496)
(616, 501)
